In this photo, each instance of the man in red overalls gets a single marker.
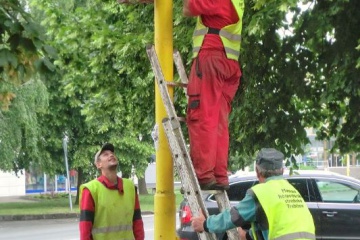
(213, 81)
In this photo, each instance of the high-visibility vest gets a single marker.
(113, 211)
(288, 215)
(230, 35)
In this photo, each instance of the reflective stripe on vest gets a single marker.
(297, 235)
(230, 35)
(279, 196)
(119, 228)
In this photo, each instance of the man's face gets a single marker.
(107, 160)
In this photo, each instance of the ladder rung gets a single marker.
(176, 84)
(182, 119)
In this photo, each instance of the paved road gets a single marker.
(54, 229)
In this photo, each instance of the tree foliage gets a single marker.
(102, 86)
(22, 49)
(20, 128)
(300, 63)
(23, 57)
(297, 73)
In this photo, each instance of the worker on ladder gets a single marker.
(213, 81)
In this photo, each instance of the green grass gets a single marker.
(147, 201)
(44, 206)
(59, 203)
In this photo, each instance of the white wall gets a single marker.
(12, 185)
(150, 175)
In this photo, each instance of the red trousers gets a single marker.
(213, 82)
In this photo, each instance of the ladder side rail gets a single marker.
(179, 157)
(184, 172)
(177, 143)
(161, 82)
(192, 194)
(181, 70)
(169, 105)
(180, 67)
(186, 161)
(223, 202)
(164, 92)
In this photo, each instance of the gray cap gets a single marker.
(106, 146)
(270, 159)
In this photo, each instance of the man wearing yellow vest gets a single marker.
(274, 208)
(109, 205)
(213, 81)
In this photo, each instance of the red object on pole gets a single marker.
(73, 173)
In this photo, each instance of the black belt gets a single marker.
(213, 31)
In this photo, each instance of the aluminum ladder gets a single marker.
(178, 148)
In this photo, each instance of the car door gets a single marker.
(306, 190)
(339, 208)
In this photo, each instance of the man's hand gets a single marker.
(186, 11)
(197, 223)
(242, 233)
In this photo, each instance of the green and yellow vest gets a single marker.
(280, 198)
(113, 211)
(230, 35)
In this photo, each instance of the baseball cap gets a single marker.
(270, 159)
(106, 146)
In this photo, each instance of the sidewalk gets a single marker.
(8, 199)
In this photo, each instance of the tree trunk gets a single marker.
(326, 160)
(79, 182)
(142, 186)
(353, 159)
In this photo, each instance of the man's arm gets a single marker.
(193, 8)
(237, 216)
(242, 213)
(87, 208)
(138, 225)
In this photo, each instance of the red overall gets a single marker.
(213, 82)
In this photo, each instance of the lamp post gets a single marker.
(65, 141)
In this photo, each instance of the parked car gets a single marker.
(333, 200)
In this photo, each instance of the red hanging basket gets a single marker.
(135, 1)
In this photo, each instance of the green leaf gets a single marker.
(7, 57)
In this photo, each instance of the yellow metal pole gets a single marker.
(164, 200)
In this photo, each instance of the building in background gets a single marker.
(12, 184)
(317, 154)
(34, 181)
